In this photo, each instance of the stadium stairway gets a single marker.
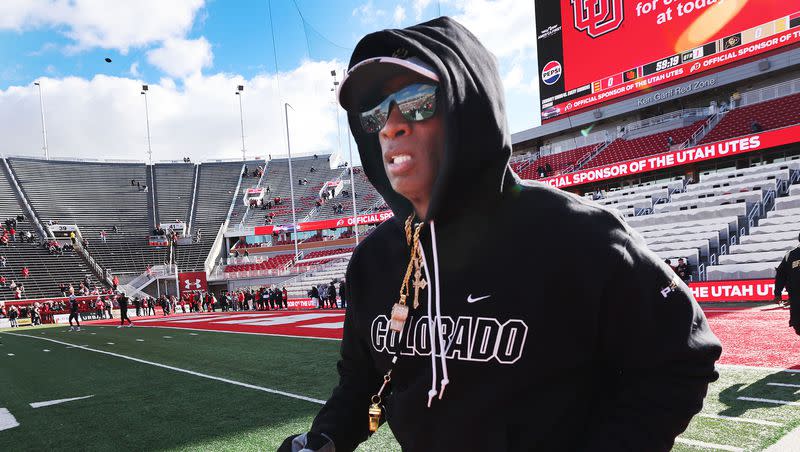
(46, 271)
(95, 197)
(772, 114)
(714, 223)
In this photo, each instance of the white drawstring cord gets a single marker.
(442, 350)
(431, 327)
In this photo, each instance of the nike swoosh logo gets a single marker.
(473, 300)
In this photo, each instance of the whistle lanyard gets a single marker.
(400, 311)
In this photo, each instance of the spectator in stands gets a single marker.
(133, 182)
(103, 235)
(626, 334)
(114, 282)
(682, 269)
(787, 276)
(2, 281)
(25, 272)
(548, 170)
(756, 127)
(670, 141)
(3, 261)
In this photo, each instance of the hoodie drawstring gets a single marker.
(435, 323)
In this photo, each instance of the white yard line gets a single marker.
(773, 401)
(741, 419)
(7, 420)
(178, 369)
(770, 369)
(56, 402)
(785, 385)
(245, 332)
(712, 446)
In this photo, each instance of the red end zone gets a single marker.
(759, 336)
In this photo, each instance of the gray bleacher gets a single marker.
(366, 198)
(95, 196)
(757, 254)
(174, 183)
(46, 271)
(215, 190)
(276, 177)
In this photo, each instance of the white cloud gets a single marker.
(104, 117)
(508, 29)
(182, 57)
(399, 14)
(134, 70)
(419, 8)
(100, 23)
(369, 14)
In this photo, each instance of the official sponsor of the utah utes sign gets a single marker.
(598, 17)
(551, 72)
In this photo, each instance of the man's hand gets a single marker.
(307, 442)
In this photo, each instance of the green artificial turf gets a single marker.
(138, 406)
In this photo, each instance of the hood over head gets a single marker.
(477, 141)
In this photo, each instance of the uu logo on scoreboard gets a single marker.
(598, 17)
(551, 72)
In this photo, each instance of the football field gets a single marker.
(190, 382)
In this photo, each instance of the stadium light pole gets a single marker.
(286, 108)
(239, 90)
(147, 120)
(349, 146)
(44, 129)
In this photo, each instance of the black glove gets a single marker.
(286, 446)
(307, 442)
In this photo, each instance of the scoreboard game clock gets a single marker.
(595, 51)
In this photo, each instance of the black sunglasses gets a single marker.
(416, 102)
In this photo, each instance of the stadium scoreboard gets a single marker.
(595, 51)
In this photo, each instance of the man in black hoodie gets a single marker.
(454, 358)
(787, 276)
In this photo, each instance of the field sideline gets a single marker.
(177, 385)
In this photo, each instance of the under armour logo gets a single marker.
(188, 284)
(401, 53)
(598, 17)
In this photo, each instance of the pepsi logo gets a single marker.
(551, 72)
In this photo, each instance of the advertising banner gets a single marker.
(732, 291)
(371, 218)
(192, 282)
(594, 51)
(750, 143)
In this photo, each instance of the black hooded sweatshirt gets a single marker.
(605, 349)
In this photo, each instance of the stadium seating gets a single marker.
(215, 191)
(46, 271)
(623, 149)
(773, 114)
(96, 197)
(174, 184)
(558, 161)
(299, 286)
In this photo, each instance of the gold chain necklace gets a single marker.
(400, 310)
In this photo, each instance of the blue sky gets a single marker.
(193, 53)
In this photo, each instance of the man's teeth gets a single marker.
(401, 158)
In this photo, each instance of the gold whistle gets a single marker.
(374, 416)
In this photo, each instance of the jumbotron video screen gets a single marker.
(594, 51)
